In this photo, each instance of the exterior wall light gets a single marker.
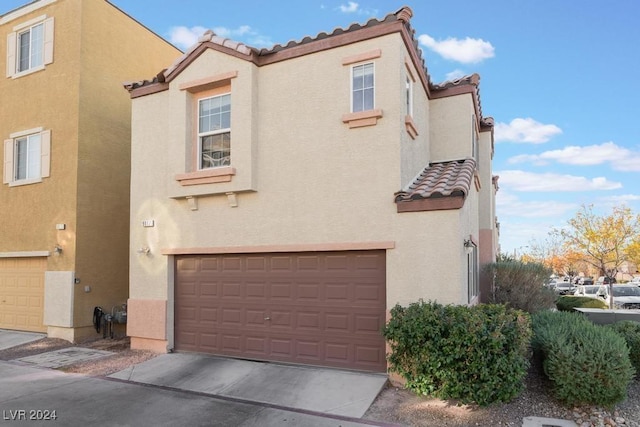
(144, 251)
(57, 249)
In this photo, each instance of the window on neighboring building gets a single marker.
(362, 87)
(30, 46)
(27, 157)
(214, 131)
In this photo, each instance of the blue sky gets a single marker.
(559, 78)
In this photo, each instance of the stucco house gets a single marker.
(66, 129)
(284, 199)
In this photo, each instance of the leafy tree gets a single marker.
(604, 242)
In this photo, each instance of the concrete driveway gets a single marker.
(319, 390)
(184, 389)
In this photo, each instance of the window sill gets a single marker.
(362, 118)
(17, 75)
(411, 127)
(25, 182)
(208, 176)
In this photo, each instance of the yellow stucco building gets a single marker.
(65, 123)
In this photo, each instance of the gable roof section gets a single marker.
(440, 186)
(397, 22)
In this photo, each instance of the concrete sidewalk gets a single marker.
(321, 390)
(10, 339)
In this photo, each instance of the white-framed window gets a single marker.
(27, 157)
(30, 46)
(214, 131)
(362, 87)
(409, 96)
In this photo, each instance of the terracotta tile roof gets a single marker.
(404, 14)
(438, 180)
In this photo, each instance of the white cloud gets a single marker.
(620, 158)
(350, 7)
(528, 181)
(454, 75)
(467, 51)
(184, 37)
(525, 130)
(508, 204)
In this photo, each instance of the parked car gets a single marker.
(590, 291)
(587, 281)
(606, 280)
(624, 296)
(565, 288)
(635, 281)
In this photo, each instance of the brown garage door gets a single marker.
(320, 308)
(22, 293)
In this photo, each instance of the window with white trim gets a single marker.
(27, 157)
(362, 87)
(30, 46)
(409, 96)
(214, 131)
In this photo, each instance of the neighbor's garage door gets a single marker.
(22, 293)
(316, 308)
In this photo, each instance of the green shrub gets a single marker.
(630, 331)
(474, 354)
(568, 303)
(587, 363)
(520, 285)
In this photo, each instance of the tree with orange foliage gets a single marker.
(604, 242)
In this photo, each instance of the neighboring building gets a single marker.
(283, 200)
(66, 127)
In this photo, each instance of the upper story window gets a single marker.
(214, 131)
(30, 46)
(409, 96)
(27, 157)
(362, 87)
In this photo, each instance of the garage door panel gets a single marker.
(315, 308)
(22, 293)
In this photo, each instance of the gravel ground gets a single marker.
(393, 405)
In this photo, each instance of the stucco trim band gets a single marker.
(411, 127)
(362, 118)
(26, 254)
(311, 247)
(207, 82)
(208, 176)
(366, 56)
(437, 204)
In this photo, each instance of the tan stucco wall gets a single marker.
(48, 99)
(451, 127)
(104, 136)
(317, 181)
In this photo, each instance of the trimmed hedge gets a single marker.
(474, 354)
(630, 331)
(587, 363)
(568, 303)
